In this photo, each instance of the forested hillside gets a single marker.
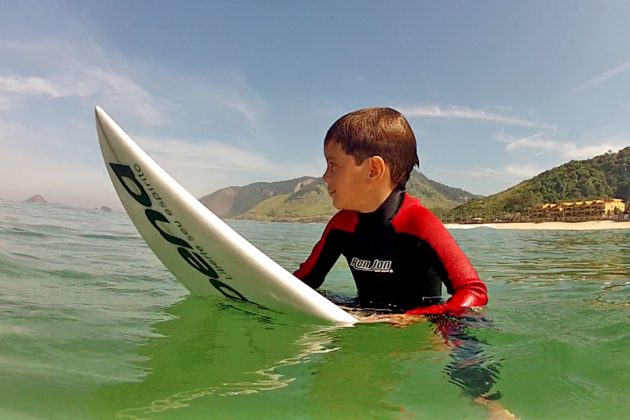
(605, 176)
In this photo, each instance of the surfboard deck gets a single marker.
(205, 254)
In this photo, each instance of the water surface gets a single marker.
(93, 326)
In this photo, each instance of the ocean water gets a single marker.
(93, 326)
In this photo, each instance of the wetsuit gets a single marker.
(399, 255)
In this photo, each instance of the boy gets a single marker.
(398, 251)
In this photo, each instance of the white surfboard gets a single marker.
(203, 252)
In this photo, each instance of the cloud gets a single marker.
(604, 77)
(521, 171)
(6, 104)
(567, 150)
(81, 68)
(111, 86)
(510, 171)
(466, 113)
(204, 167)
(15, 90)
(210, 155)
(84, 68)
(236, 100)
(50, 84)
(29, 86)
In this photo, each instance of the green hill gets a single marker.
(233, 201)
(306, 199)
(605, 176)
(437, 197)
(310, 204)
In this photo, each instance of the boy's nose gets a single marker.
(326, 177)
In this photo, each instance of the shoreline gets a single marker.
(588, 225)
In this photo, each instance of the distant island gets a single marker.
(306, 199)
(36, 199)
(39, 199)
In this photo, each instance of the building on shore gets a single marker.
(577, 211)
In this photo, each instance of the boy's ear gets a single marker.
(378, 168)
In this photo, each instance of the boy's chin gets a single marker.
(344, 206)
(339, 206)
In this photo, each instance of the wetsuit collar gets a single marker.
(387, 210)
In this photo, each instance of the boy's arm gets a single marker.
(472, 294)
(326, 252)
(456, 271)
(323, 256)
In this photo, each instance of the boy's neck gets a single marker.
(377, 198)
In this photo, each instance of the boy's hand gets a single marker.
(398, 320)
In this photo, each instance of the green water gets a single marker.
(92, 326)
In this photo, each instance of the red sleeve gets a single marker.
(326, 251)
(464, 284)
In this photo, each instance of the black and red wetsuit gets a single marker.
(399, 255)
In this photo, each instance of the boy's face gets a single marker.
(347, 182)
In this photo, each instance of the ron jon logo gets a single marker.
(376, 265)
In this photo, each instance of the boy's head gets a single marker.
(382, 132)
(369, 152)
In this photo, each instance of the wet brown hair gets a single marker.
(377, 131)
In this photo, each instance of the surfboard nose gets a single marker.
(100, 115)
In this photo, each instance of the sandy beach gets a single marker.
(591, 225)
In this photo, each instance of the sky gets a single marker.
(225, 93)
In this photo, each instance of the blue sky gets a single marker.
(233, 92)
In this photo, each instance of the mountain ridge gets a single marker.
(306, 199)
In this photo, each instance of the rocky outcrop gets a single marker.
(36, 199)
